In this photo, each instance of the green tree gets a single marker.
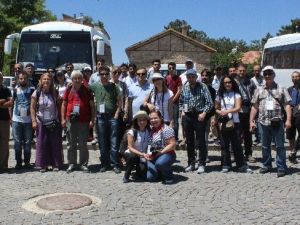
(290, 28)
(15, 14)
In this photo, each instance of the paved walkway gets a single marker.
(211, 198)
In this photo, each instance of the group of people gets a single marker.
(136, 113)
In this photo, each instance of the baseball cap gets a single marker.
(87, 68)
(268, 68)
(157, 76)
(191, 72)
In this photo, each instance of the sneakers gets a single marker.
(264, 170)
(280, 173)
(70, 168)
(250, 159)
(125, 179)
(103, 169)
(245, 169)
(94, 142)
(225, 169)
(190, 168)
(293, 159)
(116, 170)
(84, 168)
(201, 169)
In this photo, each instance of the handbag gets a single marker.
(227, 123)
(51, 125)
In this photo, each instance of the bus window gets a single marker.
(287, 56)
(297, 56)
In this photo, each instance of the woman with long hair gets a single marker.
(228, 104)
(45, 120)
(160, 98)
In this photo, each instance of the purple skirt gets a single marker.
(49, 150)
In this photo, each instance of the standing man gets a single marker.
(124, 72)
(217, 78)
(291, 132)
(69, 68)
(18, 68)
(108, 107)
(175, 85)
(29, 70)
(156, 64)
(189, 65)
(139, 91)
(21, 121)
(270, 102)
(78, 115)
(5, 103)
(258, 81)
(247, 89)
(194, 104)
(95, 77)
(131, 78)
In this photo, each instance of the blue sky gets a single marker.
(130, 21)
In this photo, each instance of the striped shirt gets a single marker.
(159, 138)
(195, 100)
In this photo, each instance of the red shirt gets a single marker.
(82, 98)
(173, 83)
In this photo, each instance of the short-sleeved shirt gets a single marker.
(106, 96)
(47, 109)
(160, 137)
(4, 94)
(173, 82)
(61, 89)
(142, 138)
(229, 99)
(124, 91)
(161, 102)
(22, 100)
(80, 98)
(95, 78)
(268, 107)
(138, 94)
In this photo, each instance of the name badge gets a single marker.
(149, 149)
(76, 109)
(47, 115)
(269, 105)
(101, 108)
(185, 107)
(23, 112)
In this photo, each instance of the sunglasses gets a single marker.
(268, 74)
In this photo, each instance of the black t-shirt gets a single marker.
(4, 94)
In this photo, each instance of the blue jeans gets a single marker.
(108, 132)
(267, 132)
(22, 134)
(175, 118)
(161, 165)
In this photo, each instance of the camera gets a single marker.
(74, 117)
(154, 149)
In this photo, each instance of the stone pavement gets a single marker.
(210, 198)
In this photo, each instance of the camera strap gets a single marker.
(281, 105)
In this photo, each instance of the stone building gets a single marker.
(168, 46)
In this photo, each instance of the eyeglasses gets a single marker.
(104, 74)
(268, 74)
(141, 74)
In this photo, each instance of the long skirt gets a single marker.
(49, 151)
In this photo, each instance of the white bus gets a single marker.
(52, 44)
(283, 53)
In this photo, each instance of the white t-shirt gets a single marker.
(161, 103)
(230, 98)
(141, 142)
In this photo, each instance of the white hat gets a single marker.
(268, 68)
(191, 72)
(157, 76)
(141, 114)
(87, 68)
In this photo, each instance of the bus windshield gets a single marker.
(53, 49)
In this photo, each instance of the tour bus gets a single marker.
(283, 53)
(52, 44)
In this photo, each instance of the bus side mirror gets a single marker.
(100, 47)
(9, 42)
(8, 46)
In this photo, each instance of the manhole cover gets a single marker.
(61, 202)
(64, 202)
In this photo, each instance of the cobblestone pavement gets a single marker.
(210, 198)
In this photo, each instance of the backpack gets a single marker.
(124, 141)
